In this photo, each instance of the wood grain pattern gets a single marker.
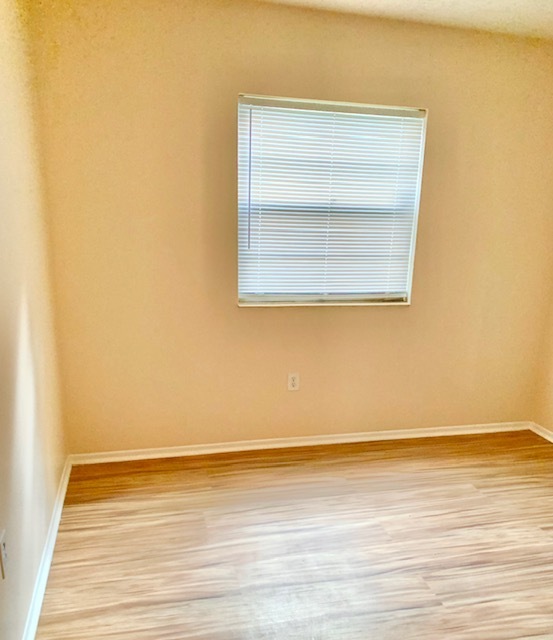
(414, 539)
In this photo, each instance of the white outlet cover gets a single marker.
(293, 382)
(3, 555)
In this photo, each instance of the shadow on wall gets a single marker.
(22, 462)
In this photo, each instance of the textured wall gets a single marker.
(138, 115)
(31, 450)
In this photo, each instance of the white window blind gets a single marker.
(328, 199)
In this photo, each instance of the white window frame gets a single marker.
(272, 300)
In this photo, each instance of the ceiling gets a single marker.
(520, 17)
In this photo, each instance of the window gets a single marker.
(328, 198)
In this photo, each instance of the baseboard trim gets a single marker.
(301, 441)
(541, 431)
(45, 562)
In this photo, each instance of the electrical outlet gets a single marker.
(3, 554)
(293, 382)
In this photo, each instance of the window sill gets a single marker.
(330, 303)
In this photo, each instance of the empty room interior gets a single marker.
(276, 319)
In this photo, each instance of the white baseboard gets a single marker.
(44, 568)
(541, 431)
(301, 441)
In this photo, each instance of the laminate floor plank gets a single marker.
(422, 539)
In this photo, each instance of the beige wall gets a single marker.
(31, 451)
(543, 392)
(138, 123)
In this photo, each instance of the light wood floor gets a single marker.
(443, 538)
